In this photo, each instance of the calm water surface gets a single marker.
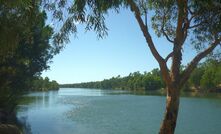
(91, 111)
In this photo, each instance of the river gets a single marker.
(93, 111)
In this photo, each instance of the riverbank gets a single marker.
(9, 129)
(9, 123)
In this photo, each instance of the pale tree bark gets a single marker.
(173, 92)
(157, 56)
(172, 104)
(173, 79)
(172, 107)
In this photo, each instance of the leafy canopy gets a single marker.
(203, 17)
(25, 48)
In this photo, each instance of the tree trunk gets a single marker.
(172, 106)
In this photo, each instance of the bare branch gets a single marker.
(169, 56)
(144, 29)
(192, 65)
(194, 26)
(190, 11)
(192, 17)
(167, 37)
(201, 23)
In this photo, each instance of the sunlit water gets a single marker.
(90, 111)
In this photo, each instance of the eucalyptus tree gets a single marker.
(181, 22)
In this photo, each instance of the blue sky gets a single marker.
(87, 58)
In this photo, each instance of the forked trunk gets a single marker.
(172, 106)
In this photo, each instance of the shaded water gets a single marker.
(91, 111)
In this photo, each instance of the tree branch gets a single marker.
(146, 34)
(196, 25)
(201, 23)
(179, 40)
(190, 11)
(144, 29)
(180, 19)
(144, 8)
(192, 65)
(168, 56)
(186, 22)
(167, 37)
(163, 31)
(192, 17)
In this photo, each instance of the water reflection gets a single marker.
(92, 111)
(43, 111)
(89, 92)
(80, 92)
(24, 125)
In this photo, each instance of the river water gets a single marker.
(92, 111)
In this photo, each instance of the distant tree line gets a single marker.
(134, 81)
(206, 77)
(42, 84)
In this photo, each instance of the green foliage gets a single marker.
(207, 79)
(40, 84)
(196, 76)
(203, 18)
(135, 81)
(206, 76)
(211, 77)
(25, 49)
(90, 12)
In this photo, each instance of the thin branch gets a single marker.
(167, 37)
(194, 26)
(192, 17)
(163, 31)
(185, 29)
(149, 41)
(169, 56)
(201, 23)
(198, 13)
(190, 11)
(192, 65)
(145, 31)
(144, 9)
